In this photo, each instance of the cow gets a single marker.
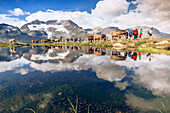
(45, 40)
(11, 41)
(36, 41)
(99, 37)
(118, 33)
(90, 38)
(45, 47)
(59, 40)
(12, 50)
(117, 56)
(90, 50)
(99, 51)
(96, 37)
(37, 46)
(52, 40)
(32, 41)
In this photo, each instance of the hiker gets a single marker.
(150, 32)
(125, 54)
(130, 54)
(135, 33)
(130, 35)
(149, 56)
(126, 36)
(134, 56)
(74, 39)
(140, 54)
(141, 34)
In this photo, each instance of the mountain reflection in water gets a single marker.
(43, 78)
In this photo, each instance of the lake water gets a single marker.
(45, 78)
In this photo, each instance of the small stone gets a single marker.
(60, 93)
(143, 45)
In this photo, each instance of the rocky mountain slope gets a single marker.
(60, 29)
(10, 32)
(53, 29)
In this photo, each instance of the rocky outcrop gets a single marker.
(12, 32)
(54, 29)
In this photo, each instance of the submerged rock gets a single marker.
(118, 45)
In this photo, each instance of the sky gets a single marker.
(89, 13)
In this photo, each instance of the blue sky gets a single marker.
(89, 13)
(33, 6)
(42, 5)
(36, 5)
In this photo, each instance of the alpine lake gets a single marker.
(65, 79)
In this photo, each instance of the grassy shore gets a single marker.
(145, 45)
(4, 44)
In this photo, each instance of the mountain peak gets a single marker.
(37, 22)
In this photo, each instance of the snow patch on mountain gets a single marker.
(48, 28)
(48, 57)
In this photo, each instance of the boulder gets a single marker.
(160, 47)
(162, 42)
(118, 45)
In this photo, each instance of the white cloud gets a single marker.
(100, 16)
(153, 13)
(153, 75)
(47, 56)
(12, 21)
(111, 13)
(22, 71)
(6, 18)
(18, 12)
(12, 65)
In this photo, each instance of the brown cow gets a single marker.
(99, 37)
(59, 40)
(36, 41)
(45, 47)
(117, 56)
(90, 38)
(99, 51)
(52, 40)
(90, 50)
(37, 46)
(118, 33)
(45, 40)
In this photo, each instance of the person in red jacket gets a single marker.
(140, 54)
(134, 56)
(135, 33)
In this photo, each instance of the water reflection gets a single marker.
(96, 51)
(43, 77)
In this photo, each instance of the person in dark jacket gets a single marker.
(135, 33)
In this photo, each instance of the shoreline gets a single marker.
(155, 46)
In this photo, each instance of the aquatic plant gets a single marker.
(153, 50)
(30, 110)
(163, 108)
(74, 108)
